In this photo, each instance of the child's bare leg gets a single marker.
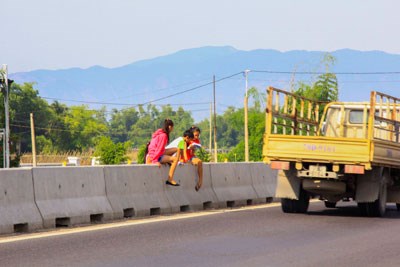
(174, 162)
(173, 166)
(170, 151)
(199, 164)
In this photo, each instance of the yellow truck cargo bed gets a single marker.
(347, 134)
(331, 150)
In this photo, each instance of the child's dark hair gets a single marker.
(146, 151)
(167, 123)
(188, 133)
(195, 129)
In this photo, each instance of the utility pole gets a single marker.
(7, 119)
(210, 145)
(246, 126)
(33, 141)
(215, 125)
(4, 145)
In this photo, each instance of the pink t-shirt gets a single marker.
(157, 145)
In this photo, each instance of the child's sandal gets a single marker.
(173, 183)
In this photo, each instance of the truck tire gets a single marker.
(398, 206)
(376, 208)
(294, 205)
(330, 205)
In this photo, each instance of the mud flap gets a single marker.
(368, 185)
(288, 184)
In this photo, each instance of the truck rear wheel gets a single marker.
(376, 208)
(294, 205)
(330, 205)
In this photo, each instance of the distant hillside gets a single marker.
(157, 78)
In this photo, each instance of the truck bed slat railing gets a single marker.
(292, 114)
(385, 114)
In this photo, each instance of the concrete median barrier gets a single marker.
(232, 183)
(185, 197)
(136, 190)
(18, 211)
(34, 198)
(70, 196)
(264, 181)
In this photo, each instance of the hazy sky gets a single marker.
(54, 34)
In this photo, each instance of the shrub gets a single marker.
(141, 154)
(202, 154)
(111, 153)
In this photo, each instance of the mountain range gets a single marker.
(185, 77)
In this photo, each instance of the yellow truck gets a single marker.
(334, 151)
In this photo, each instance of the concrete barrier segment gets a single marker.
(232, 184)
(70, 196)
(18, 211)
(136, 190)
(185, 197)
(244, 173)
(264, 180)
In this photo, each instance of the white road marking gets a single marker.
(162, 218)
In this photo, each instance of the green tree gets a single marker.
(182, 121)
(44, 145)
(110, 152)
(23, 100)
(121, 123)
(85, 125)
(153, 119)
(142, 130)
(325, 87)
(256, 132)
(58, 132)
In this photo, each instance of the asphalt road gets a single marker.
(254, 237)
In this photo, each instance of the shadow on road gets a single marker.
(352, 211)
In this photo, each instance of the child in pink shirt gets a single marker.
(158, 154)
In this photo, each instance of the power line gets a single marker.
(163, 89)
(87, 102)
(151, 101)
(116, 104)
(348, 81)
(119, 104)
(337, 73)
(191, 89)
(41, 128)
(209, 83)
(63, 130)
(185, 104)
(197, 110)
(112, 111)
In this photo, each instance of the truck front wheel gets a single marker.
(294, 205)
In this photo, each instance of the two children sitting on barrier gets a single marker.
(181, 150)
(186, 146)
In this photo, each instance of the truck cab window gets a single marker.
(356, 116)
